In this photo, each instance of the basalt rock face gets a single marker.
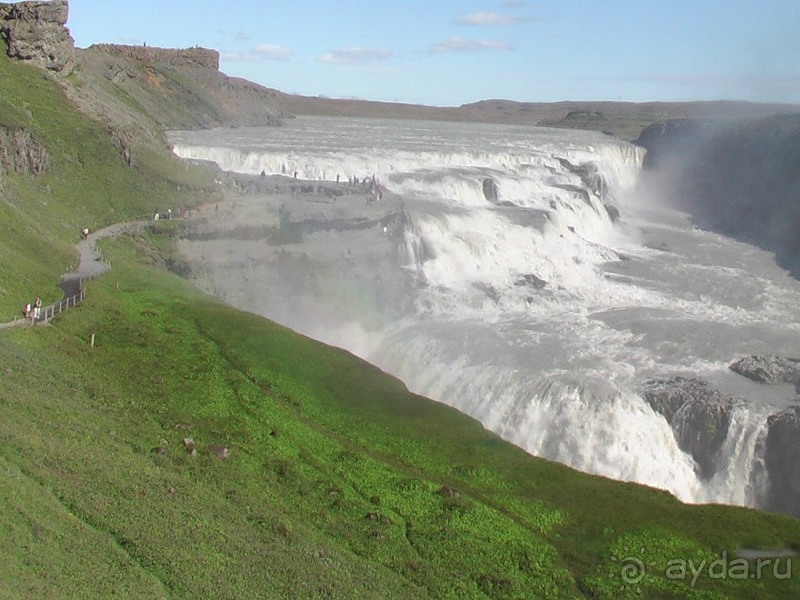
(36, 32)
(21, 153)
(701, 419)
(589, 175)
(782, 459)
(700, 416)
(781, 448)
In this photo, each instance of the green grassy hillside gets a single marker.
(88, 184)
(314, 475)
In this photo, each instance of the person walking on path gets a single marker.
(37, 309)
(91, 265)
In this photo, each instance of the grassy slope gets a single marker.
(340, 482)
(86, 186)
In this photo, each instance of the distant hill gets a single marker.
(624, 120)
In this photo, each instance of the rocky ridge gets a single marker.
(152, 89)
(193, 58)
(175, 88)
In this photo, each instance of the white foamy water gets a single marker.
(539, 314)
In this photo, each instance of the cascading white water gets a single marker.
(538, 313)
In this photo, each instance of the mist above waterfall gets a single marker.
(540, 303)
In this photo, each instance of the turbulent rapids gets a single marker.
(531, 278)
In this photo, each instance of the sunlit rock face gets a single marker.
(36, 32)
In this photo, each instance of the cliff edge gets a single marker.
(174, 88)
(737, 178)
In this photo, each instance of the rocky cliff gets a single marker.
(741, 179)
(782, 458)
(668, 141)
(701, 418)
(36, 32)
(21, 153)
(191, 58)
(175, 88)
(781, 450)
(699, 415)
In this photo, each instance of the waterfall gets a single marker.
(538, 308)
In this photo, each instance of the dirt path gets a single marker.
(91, 263)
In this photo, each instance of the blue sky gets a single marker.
(447, 52)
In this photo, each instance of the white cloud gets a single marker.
(489, 18)
(459, 44)
(354, 56)
(273, 52)
(260, 52)
(240, 35)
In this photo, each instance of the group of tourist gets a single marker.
(33, 312)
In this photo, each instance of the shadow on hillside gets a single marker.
(742, 181)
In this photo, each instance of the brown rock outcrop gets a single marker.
(36, 32)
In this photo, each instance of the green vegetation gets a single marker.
(339, 482)
(86, 185)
